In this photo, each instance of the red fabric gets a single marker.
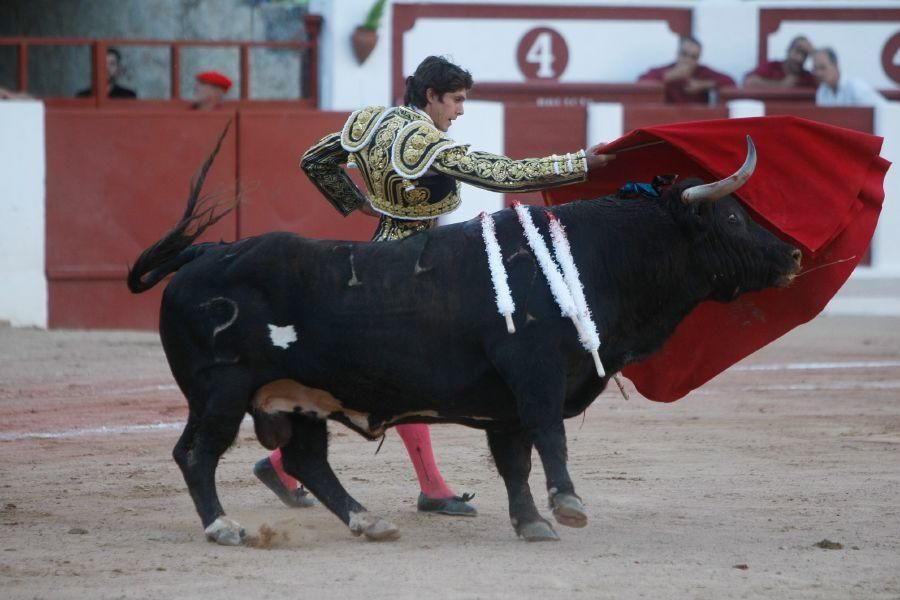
(774, 70)
(818, 186)
(215, 78)
(675, 92)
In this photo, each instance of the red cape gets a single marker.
(815, 185)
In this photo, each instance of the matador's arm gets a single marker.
(501, 174)
(322, 164)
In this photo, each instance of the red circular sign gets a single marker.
(890, 57)
(542, 54)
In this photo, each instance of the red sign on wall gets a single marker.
(542, 54)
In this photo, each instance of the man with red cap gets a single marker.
(211, 89)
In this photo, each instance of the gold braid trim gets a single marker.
(501, 174)
(359, 127)
(322, 164)
(416, 147)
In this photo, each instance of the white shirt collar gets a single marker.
(416, 109)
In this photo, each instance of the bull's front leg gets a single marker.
(512, 455)
(538, 383)
(567, 508)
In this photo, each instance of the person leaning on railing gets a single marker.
(836, 89)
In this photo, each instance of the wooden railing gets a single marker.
(99, 77)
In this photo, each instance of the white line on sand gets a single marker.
(12, 436)
(820, 366)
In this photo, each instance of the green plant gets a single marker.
(373, 19)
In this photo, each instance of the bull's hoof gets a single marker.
(226, 532)
(568, 510)
(537, 531)
(374, 528)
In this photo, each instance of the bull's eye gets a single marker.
(733, 219)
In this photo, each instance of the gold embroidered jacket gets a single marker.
(412, 170)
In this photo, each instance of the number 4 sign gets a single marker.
(542, 54)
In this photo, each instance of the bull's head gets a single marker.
(737, 253)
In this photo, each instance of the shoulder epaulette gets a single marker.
(415, 148)
(361, 125)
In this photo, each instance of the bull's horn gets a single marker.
(710, 192)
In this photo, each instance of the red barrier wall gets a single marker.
(647, 115)
(276, 194)
(533, 131)
(117, 180)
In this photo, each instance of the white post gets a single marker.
(482, 127)
(738, 109)
(23, 282)
(605, 121)
(886, 243)
(344, 84)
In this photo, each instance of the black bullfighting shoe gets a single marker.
(298, 498)
(457, 506)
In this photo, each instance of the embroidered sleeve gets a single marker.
(501, 174)
(322, 164)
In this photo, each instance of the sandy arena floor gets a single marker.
(725, 494)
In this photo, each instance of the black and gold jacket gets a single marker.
(412, 170)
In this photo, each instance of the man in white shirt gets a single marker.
(837, 90)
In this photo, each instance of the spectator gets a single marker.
(686, 80)
(787, 73)
(837, 90)
(211, 89)
(114, 69)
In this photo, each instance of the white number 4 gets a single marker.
(541, 53)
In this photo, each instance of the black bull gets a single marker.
(294, 331)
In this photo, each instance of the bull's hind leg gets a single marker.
(512, 455)
(305, 458)
(205, 439)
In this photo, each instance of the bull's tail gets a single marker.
(174, 250)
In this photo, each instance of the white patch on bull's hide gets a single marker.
(282, 336)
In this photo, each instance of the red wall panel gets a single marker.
(533, 131)
(276, 194)
(116, 181)
(647, 115)
(860, 118)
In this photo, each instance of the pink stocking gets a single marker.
(289, 482)
(417, 439)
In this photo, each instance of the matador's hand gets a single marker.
(596, 160)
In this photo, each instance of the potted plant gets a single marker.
(366, 35)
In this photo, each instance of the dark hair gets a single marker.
(796, 40)
(115, 52)
(830, 53)
(437, 73)
(689, 38)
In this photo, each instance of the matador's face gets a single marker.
(444, 109)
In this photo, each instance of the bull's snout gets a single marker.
(793, 270)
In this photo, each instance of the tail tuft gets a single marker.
(168, 254)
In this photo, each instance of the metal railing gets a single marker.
(100, 80)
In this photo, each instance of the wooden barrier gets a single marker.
(117, 180)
